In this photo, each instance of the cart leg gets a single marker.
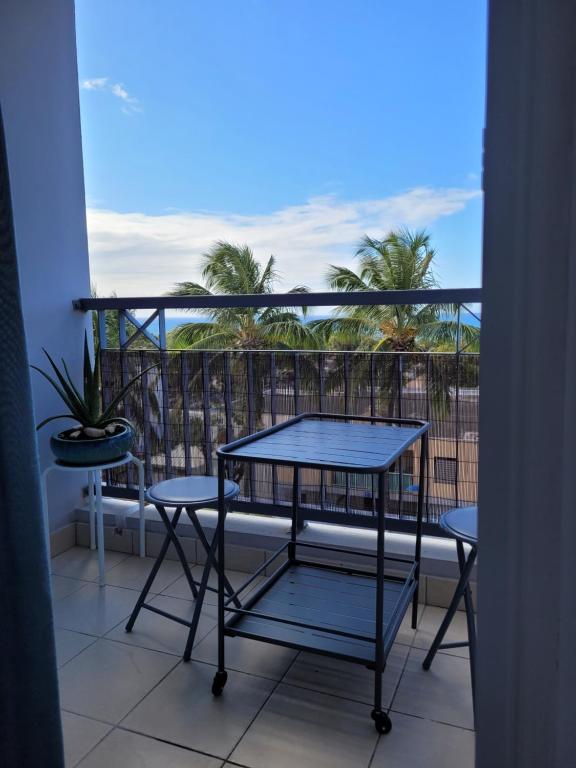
(381, 719)
(221, 676)
(295, 527)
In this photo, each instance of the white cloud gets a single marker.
(94, 83)
(140, 254)
(130, 104)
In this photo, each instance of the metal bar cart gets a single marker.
(345, 612)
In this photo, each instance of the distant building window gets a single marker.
(407, 464)
(445, 470)
(355, 482)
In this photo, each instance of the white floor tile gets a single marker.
(122, 749)
(108, 679)
(428, 627)
(82, 563)
(414, 742)
(80, 735)
(247, 655)
(406, 634)
(70, 644)
(161, 634)
(180, 588)
(298, 727)
(94, 610)
(133, 572)
(183, 711)
(442, 693)
(346, 679)
(62, 586)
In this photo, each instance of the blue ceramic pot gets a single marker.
(102, 450)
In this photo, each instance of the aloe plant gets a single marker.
(85, 407)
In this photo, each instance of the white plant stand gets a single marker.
(94, 472)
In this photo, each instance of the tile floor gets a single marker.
(129, 701)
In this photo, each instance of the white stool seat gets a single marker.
(191, 491)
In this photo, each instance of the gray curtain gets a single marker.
(30, 730)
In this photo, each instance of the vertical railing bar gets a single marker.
(122, 328)
(185, 384)
(346, 411)
(400, 370)
(122, 337)
(102, 345)
(373, 413)
(400, 413)
(457, 425)
(165, 380)
(228, 397)
(321, 387)
(207, 415)
(251, 427)
(428, 413)
(273, 420)
(459, 330)
(346, 382)
(146, 416)
(296, 383)
(296, 359)
(162, 329)
(373, 384)
(102, 329)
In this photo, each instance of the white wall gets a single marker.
(40, 104)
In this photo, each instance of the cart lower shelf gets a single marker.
(330, 598)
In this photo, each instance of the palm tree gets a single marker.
(400, 261)
(232, 269)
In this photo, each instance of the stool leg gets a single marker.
(211, 559)
(466, 569)
(156, 567)
(471, 624)
(200, 599)
(176, 541)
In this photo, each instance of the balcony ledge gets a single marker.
(268, 533)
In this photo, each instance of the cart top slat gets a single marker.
(354, 444)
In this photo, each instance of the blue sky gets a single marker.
(292, 126)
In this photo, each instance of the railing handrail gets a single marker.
(312, 299)
(296, 351)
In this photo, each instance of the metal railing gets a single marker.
(194, 401)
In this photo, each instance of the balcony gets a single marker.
(130, 700)
(131, 695)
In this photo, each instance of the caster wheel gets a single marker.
(219, 682)
(382, 722)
